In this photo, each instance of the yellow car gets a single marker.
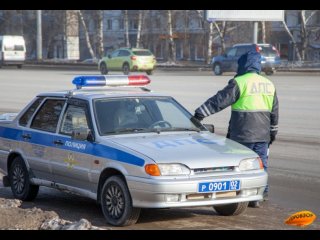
(128, 60)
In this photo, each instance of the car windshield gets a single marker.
(142, 114)
(142, 53)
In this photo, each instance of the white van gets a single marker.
(12, 50)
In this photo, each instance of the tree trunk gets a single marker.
(126, 28)
(86, 34)
(210, 41)
(263, 30)
(221, 33)
(303, 34)
(100, 34)
(293, 40)
(186, 40)
(140, 16)
(171, 46)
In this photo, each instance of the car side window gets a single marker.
(232, 52)
(241, 51)
(23, 121)
(124, 53)
(115, 54)
(46, 119)
(74, 117)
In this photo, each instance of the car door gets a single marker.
(228, 62)
(112, 61)
(124, 57)
(72, 162)
(37, 140)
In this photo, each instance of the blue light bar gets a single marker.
(110, 80)
(89, 81)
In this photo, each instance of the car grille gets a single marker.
(212, 170)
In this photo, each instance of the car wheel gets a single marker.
(149, 72)
(19, 66)
(116, 203)
(231, 209)
(103, 69)
(126, 69)
(19, 181)
(269, 72)
(217, 69)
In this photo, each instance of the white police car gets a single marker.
(117, 142)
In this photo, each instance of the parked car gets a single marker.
(12, 50)
(126, 147)
(128, 60)
(228, 62)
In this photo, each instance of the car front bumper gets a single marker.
(156, 193)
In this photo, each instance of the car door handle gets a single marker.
(26, 136)
(58, 142)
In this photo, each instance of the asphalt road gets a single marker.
(294, 166)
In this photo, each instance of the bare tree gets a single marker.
(86, 33)
(126, 28)
(304, 32)
(293, 40)
(210, 42)
(140, 18)
(221, 32)
(263, 31)
(100, 33)
(170, 42)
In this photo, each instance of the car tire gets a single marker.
(19, 66)
(217, 69)
(20, 182)
(103, 69)
(269, 72)
(231, 209)
(125, 69)
(116, 203)
(149, 72)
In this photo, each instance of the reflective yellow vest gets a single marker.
(256, 93)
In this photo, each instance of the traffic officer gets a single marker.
(254, 105)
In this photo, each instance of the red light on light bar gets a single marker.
(138, 80)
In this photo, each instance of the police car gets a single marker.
(113, 140)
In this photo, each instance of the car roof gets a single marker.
(249, 44)
(135, 49)
(103, 92)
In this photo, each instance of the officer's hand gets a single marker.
(272, 136)
(198, 116)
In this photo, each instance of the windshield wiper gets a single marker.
(122, 130)
(183, 129)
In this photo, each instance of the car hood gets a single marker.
(196, 150)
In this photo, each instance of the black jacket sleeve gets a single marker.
(274, 116)
(224, 98)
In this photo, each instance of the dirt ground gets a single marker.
(12, 217)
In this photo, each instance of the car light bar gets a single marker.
(110, 80)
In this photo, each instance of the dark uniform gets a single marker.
(254, 104)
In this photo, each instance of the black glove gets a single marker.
(272, 136)
(198, 116)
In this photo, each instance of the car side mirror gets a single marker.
(210, 127)
(82, 134)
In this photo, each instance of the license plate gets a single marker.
(220, 186)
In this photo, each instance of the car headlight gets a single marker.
(250, 164)
(167, 169)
